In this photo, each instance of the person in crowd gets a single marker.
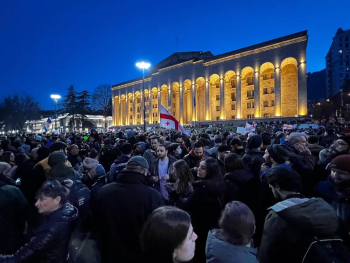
(73, 156)
(240, 182)
(151, 154)
(266, 138)
(336, 191)
(34, 154)
(108, 154)
(340, 147)
(214, 150)
(232, 242)
(5, 145)
(160, 169)
(243, 138)
(8, 157)
(51, 240)
(222, 152)
(237, 147)
(121, 209)
(175, 150)
(275, 155)
(20, 158)
(59, 170)
(225, 137)
(120, 163)
(208, 195)
(16, 147)
(92, 168)
(292, 223)
(137, 149)
(314, 146)
(195, 156)
(168, 236)
(279, 135)
(252, 157)
(26, 146)
(331, 136)
(178, 138)
(93, 143)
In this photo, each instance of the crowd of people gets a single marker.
(163, 196)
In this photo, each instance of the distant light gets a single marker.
(296, 115)
(327, 100)
(55, 96)
(143, 65)
(311, 115)
(319, 103)
(340, 51)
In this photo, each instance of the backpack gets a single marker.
(86, 178)
(326, 250)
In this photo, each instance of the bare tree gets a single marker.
(102, 99)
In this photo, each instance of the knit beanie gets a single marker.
(278, 152)
(254, 142)
(341, 162)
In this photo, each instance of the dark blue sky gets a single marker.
(46, 46)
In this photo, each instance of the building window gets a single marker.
(138, 116)
(138, 100)
(130, 117)
(217, 118)
(138, 109)
(346, 45)
(217, 97)
(346, 39)
(266, 104)
(250, 94)
(233, 83)
(147, 115)
(217, 108)
(340, 45)
(266, 115)
(272, 75)
(265, 77)
(250, 80)
(272, 90)
(233, 117)
(347, 63)
(265, 90)
(340, 39)
(155, 122)
(250, 116)
(272, 103)
(233, 107)
(217, 85)
(131, 109)
(250, 105)
(233, 96)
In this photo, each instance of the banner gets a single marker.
(168, 121)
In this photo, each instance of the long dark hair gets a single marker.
(213, 174)
(164, 231)
(233, 163)
(183, 177)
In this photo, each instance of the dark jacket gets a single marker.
(119, 212)
(151, 156)
(51, 240)
(315, 149)
(154, 170)
(30, 184)
(107, 156)
(118, 166)
(253, 160)
(290, 227)
(13, 214)
(221, 167)
(192, 160)
(220, 251)
(337, 198)
(75, 160)
(206, 196)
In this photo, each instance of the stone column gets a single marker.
(169, 98)
(150, 109)
(181, 105)
(120, 122)
(238, 98)
(194, 109)
(142, 104)
(302, 89)
(127, 110)
(134, 114)
(278, 111)
(113, 111)
(159, 105)
(257, 94)
(207, 109)
(222, 99)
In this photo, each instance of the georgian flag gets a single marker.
(47, 124)
(168, 121)
(287, 127)
(248, 127)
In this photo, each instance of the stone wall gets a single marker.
(200, 103)
(228, 101)
(213, 103)
(289, 91)
(244, 99)
(269, 84)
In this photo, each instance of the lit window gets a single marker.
(233, 107)
(233, 96)
(217, 97)
(272, 90)
(217, 85)
(266, 104)
(217, 108)
(265, 90)
(233, 83)
(233, 117)
(272, 103)
(340, 51)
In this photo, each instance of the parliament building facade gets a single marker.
(266, 80)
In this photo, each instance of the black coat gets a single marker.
(119, 212)
(253, 159)
(51, 240)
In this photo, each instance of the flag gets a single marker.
(249, 127)
(287, 127)
(168, 121)
(47, 124)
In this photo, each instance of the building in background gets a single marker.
(338, 62)
(64, 124)
(266, 80)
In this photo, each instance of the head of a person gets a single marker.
(155, 143)
(198, 149)
(126, 149)
(94, 154)
(330, 131)
(233, 163)
(34, 154)
(20, 158)
(255, 142)
(137, 164)
(91, 138)
(297, 138)
(4, 167)
(208, 169)
(237, 224)
(243, 138)
(218, 141)
(17, 143)
(313, 139)
(5, 144)
(43, 152)
(193, 137)
(8, 157)
(281, 135)
(58, 146)
(175, 148)
(183, 176)
(276, 154)
(340, 171)
(223, 150)
(266, 138)
(51, 196)
(74, 149)
(162, 151)
(177, 138)
(342, 145)
(283, 182)
(57, 158)
(168, 236)
(226, 134)
(236, 144)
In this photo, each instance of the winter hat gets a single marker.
(129, 134)
(341, 163)
(107, 141)
(278, 152)
(254, 142)
(38, 138)
(138, 161)
(56, 157)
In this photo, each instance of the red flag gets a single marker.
(168, 121)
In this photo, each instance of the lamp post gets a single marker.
(55, 98)
(143, 66)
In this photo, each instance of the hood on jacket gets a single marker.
(90, 163)
(313, 215)
(194, 156)
(219, 251)
(66, 213)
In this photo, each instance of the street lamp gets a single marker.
(55, 98)
(143, 66)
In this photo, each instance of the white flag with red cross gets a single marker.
(168, 121)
